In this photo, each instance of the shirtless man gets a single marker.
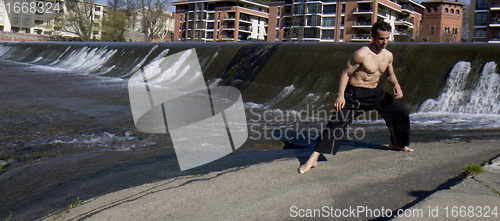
(359, 91)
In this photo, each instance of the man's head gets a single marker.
(381, 32)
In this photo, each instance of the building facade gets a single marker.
(38, 17)
(442, 21)
(487, 21)
(30, 17)
(220, 20)
(342, 20)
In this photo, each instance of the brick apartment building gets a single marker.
(293, 20)
(487, 21)
(442, 21)
(342, 21)
(214, 20)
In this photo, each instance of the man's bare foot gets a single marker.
(311, 162)
(306, 167)
(400, 148)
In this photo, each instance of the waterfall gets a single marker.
(456, 98)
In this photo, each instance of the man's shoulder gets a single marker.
(364, 49)
(387, 53)
(362, 52)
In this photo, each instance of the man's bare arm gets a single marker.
(393, 81)
(352, 65)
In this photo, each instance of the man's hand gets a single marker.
(339, 103)
(398, 93)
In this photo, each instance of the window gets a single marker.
(199, 34)
(26, 21)
(446, 10)
(311, 20)
(210, 25)
(1, 8)
(452, 11)
(328, 21)
(211, 7)
(328, 34)
(433, 29)
(435, 9)
(458, 11)
(299, 9)
(480, 33)
(1, 18)
(329, 9)
(97, 9)
(16, 19)
(312, 8)
(481, 18)
(200, 24)
(341, 34)
(429, 10)
(311, 32)
(481, 4)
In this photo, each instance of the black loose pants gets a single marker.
(358, 100)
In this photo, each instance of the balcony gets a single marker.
(407, 8)
(495, 24)
(363, 11)
(404, 22)
(403, 32)
(494, 40)
(363, 25)
(245, 20)
(227, 37)
(245, 29)
(382, 13)
(361, 38)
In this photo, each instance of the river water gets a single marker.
(280, 102)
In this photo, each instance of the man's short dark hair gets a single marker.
(381, 25)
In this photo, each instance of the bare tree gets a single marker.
(78, 19)
(448, 38)
(114, 5)
(468, 21)
(153, 17)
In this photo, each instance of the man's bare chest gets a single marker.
(375, 65)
